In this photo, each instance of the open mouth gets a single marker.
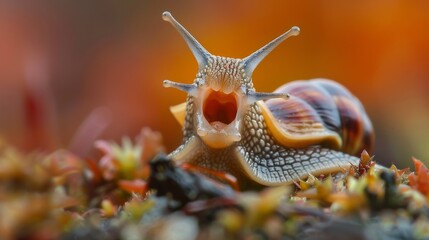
(219, 118)
(220, 109)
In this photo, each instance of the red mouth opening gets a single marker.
(220, 108)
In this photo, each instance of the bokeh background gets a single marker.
(72, 71)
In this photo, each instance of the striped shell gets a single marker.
(319, 112)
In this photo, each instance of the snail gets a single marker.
(265, 139)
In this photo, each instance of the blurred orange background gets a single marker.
(70, 70)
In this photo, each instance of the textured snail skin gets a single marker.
(258, 158)
(280, 140)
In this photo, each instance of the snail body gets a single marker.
(304, 127)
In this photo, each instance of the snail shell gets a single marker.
(319, 111)
(265, 139)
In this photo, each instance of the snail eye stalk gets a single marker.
(252, 61)
(200, 53)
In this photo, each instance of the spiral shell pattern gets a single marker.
(322, 106)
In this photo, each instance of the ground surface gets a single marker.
(129, 194)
